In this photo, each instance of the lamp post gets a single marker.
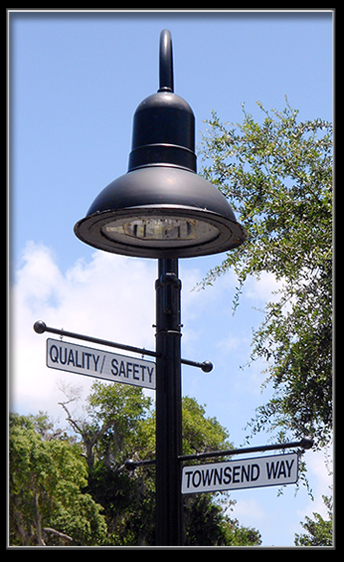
(169, 512)
(162, 209)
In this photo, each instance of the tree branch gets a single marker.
(58, 533)
(69, 419)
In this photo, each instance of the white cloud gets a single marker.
(230, 343)
(319, 468)
(112, 297)
(249, 507)
(109, 297)
(263, 288)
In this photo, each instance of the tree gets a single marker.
(120, 424)
(75, 490)
(114, 413)
(277, 175)
(47, 475)
(319, 530)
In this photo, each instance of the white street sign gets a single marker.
(275, 470)
(100, 364)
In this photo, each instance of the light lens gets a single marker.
(160, 231)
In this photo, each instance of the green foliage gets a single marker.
(277, 174)
(46, 481)
(319, 530)
(115, 413)
(76, 490)
(206, 524)
(201, 434)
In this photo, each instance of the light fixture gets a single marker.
(161, 208)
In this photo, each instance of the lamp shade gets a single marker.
(161, 208)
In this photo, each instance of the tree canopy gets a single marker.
(47, 477)
(277, 174)
(72, 488)
(319, 531)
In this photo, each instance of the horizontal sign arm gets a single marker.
(132, 465)
(40, 327)
(305, 443)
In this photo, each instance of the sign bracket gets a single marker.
(304, 443)
(40, 327)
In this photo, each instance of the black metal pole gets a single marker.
(169, 526)
(165, 62)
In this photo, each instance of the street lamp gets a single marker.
(162, 209)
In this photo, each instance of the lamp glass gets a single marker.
(157, 230)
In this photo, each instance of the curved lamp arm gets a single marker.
(165, 62)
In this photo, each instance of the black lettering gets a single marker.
(114, 369)
(143, 371)
(76, 360)
(227, 475)
(207, 476)
(150, 372)
(135, 372)
(129, 369)
(282, 470)
(102, 366)
(122, 369)
(65, 355)
(71, 358)
(289, 467)
(272, 470)
(96, 361)
(236, 474)
(197, 472)
(188, 474)
(88, 355)
(54, 357)
(245, 473)
(218, 476)
(255, 477)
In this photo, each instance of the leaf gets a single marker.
(277, 175)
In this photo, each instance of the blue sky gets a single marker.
(75, 81)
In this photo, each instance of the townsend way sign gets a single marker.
(100, 364)
(275, 470)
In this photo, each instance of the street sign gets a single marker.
(100, 364)
(275, 470)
